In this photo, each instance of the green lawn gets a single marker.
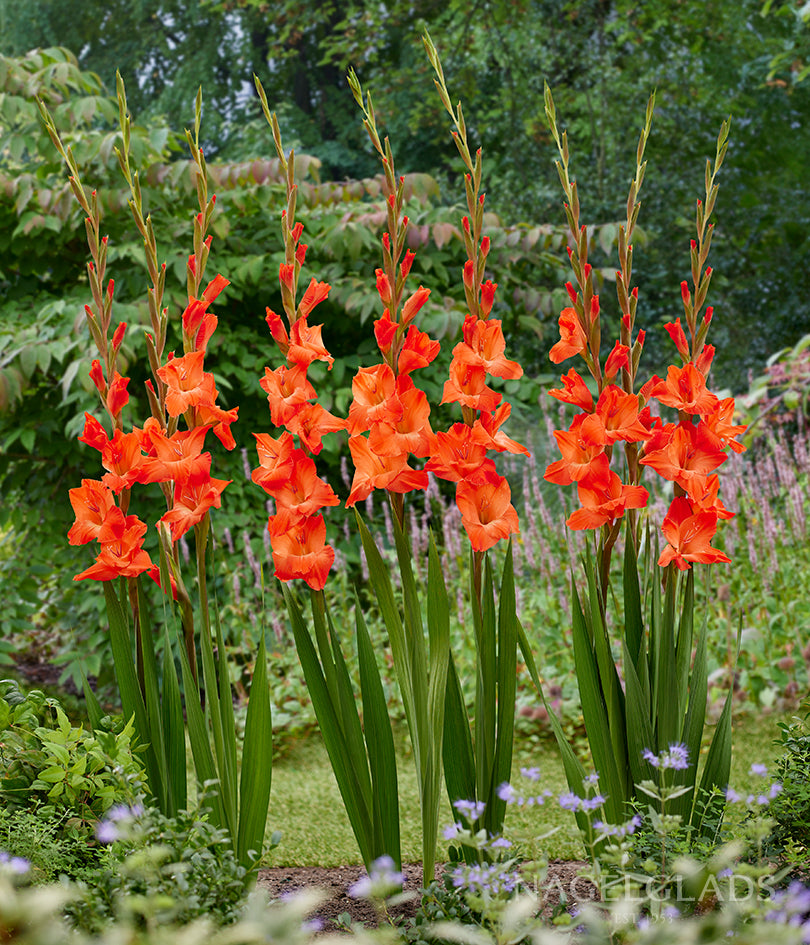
(305, 804)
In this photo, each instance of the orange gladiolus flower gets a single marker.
(720, 424)
(574, 391)
(185, 379)
(304, 492)
(490, 423)
(685, 389)
(91, 503)
(300, 549)
(467, 386)
(122, 554)
(374, 390)
(193, 497)
(380, 472)
(306, 344)
(683, 453)
(123, 459)
(275, 458)
(581, 455)
(315, 294)
(287, 389)
(689, 535)
(311, 423)
(177, 457)
(411, 433)
(460, 453)
(573, 339)
(117, 397)
(604, 498)
(487, 513)
(94, 433)
(484, 346)
(615, 418)
(417, 352)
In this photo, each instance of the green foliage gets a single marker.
(53, 766)
(176, 869)
(790, 837)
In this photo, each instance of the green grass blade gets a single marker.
(131, 698)
(633, 620)
(257, 766)
(596, 714)
(357, 809)
(507, 684)
(174, 729)
(380, 746)
(639, 729)
(94, 711)
(708, 809)
(226, 712)
(152, 700)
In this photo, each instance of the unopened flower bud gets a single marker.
(407, 262)
(572, 292)
(707, 318)
(487, 296)
(468, 274)
(301, 253)
(386, 241)
(118, 336)
(594, 308)
(383, 287)
(685, 294)
(97, 377)
(485, 246)
(296, 231)
(465, 222)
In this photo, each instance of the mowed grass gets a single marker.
(305, 804)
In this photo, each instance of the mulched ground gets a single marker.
(335, 883)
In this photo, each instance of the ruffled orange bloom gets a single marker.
(300, 549)
(304, 492)
(574, 391)
(196, 308)
(487, 513)
(117, 397)
(685, 389)
(484, 346)
(94, 433)
(184, 378)
(306, 344)
(122, 554)
(704, 497)
(604, 498)
(193, 497)
(720, 424)
(380, 472)
(459, 454)
(177, 457)
(91, 504)
(315, 294)
(411, 433)
(683, 453)
(311, 423)
(573, 339)
(208, 414)
(615, 418)
(374, 391)
(385, 330)
(287, 389)
(468, 387)
(490, 423)
(581, 454)
(275, 459)
(123, 460)
(689, 535)
(418, 351)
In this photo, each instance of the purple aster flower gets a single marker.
(107, 832)
(383, 879)
(472, 810)
(593, 803)
(759, 770)
(16, 864)
(506, 792)
(531, 774)
(732, 796)
(451, 831)
(570, 801)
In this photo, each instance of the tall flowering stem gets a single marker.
(654, 698)
(163, 452)
(360, 745)
(478, 754)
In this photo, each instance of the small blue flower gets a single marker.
(383, 879)
(570, 801)
(506, 792)
(472, 810)
(16, 864)
(531, 774)
(107, 832)
(759, 770)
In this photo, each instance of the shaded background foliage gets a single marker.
(705, 59)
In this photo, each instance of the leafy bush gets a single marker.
(51, 766)
(183, 867)
(790, 838)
